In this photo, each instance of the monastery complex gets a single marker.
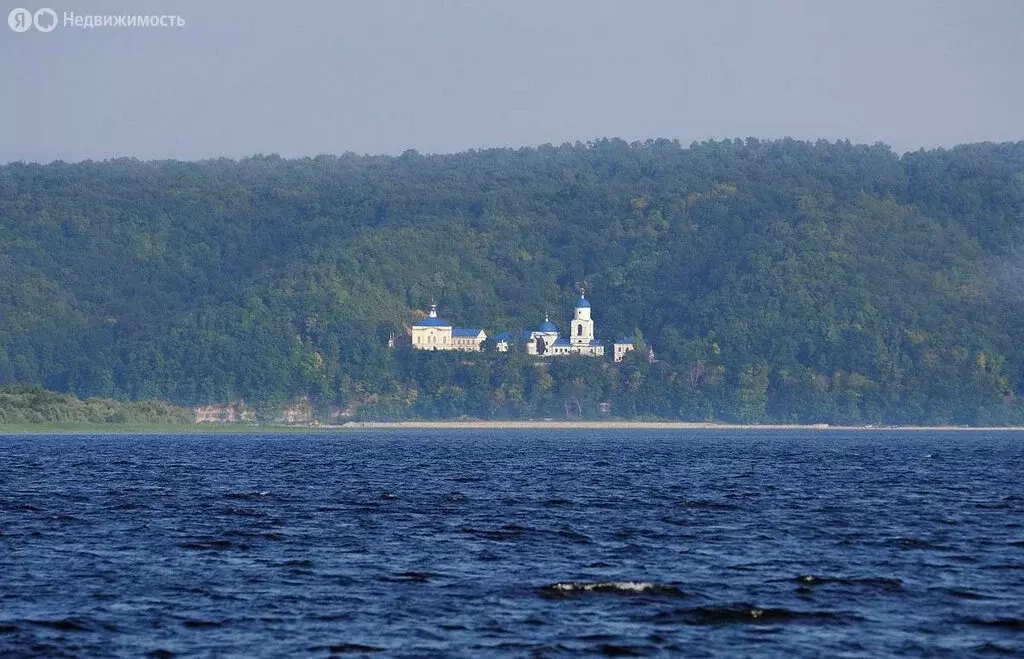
(434, 333)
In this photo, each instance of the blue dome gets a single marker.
(582, 303)
(432, 322)
(547, 327)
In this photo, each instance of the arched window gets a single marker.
(579, 330)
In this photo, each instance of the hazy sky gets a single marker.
(371, 76)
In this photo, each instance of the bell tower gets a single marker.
(582, 325)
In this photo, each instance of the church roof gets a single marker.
(582, 303)
(433, 322)
(463, 331)
(504, 336)
(560, 342)
(547, 326)
(624, 339)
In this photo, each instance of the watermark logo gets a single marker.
(45, 20)
(19, 20)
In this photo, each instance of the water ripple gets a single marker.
(711, 543)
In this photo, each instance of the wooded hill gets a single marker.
(776, 281)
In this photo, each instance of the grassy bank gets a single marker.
(457, 426)
(35, 406)
(74, 428)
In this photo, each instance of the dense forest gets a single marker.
(778, 281)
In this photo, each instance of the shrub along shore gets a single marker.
(35, 406)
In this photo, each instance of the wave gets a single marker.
(246, 496)
(202, 624)
(963, 593)
(887, 583)
(648, 534)
(575, 536)
(993, 648)
(208, 593)
(507, 532)
(298, 563)
(343, 648)
(995, 505)
(567, 588)
(916, 543)
(63, 624)
(752, 567)
(740, 614)
(1004, 623)
(706, 504)
(410, 577)
(214, 545)
(465, 479)
(129, 505)
(245, 512)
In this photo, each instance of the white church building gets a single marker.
(433, 333)
(545, 340)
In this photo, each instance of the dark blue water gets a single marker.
(521, 543)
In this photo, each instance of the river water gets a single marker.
(513, 543)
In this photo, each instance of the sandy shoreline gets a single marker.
(354, 426)
(626, 425)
